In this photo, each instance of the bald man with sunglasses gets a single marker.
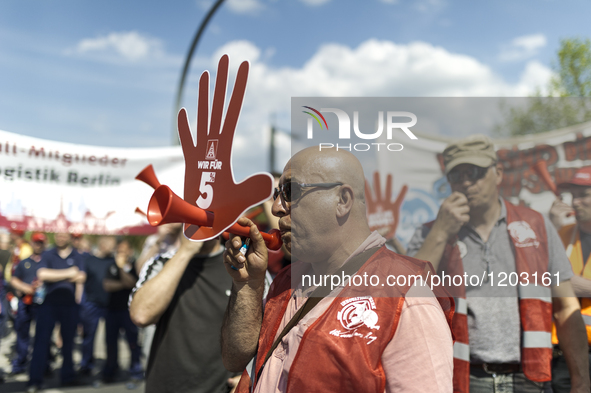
(519, 279)
(316, 338)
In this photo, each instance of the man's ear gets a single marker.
(499, 169)
(345, 201)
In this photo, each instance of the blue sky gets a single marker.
(105, 72)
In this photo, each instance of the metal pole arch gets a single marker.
(181, 86)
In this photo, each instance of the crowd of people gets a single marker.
(280, 334)
(525, 336)
(65, 290)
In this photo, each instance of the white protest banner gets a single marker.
(55, 186)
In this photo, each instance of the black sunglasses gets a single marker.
(292, 191)
(473, 173)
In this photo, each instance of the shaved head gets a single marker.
(326, 221)
(329, 165)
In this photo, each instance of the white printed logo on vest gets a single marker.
(523, 235)
(357, 314)
(463, 248)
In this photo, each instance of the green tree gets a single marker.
(573, 73)
(569, 95)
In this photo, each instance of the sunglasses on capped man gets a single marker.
(472, 172)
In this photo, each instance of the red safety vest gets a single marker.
(574, 251)
(528, 233)
(337, 354)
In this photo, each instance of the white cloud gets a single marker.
(315, 3)
(382, 68)
(535, 75)
(242, 50)
(244, 6)
(522, 48)
(374, 68)
(129, 46)
(530, 42)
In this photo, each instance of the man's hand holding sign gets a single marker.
(184, 294)
(209, 181)
(213, 201)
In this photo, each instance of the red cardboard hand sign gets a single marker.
(383, 214)
(209, 180)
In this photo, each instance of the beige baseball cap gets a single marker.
(477, 150)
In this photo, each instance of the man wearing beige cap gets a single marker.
(509, 275)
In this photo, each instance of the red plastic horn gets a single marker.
(254, 212)
(148, 176)
(166, 207)
(542, 171)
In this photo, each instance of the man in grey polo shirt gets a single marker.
(502, 332)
